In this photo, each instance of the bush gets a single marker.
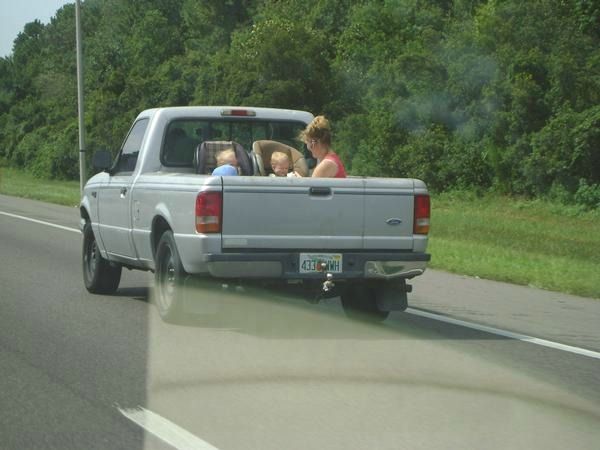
(468, 165)
(426, 157)
(373, 143)
(565, 152)
(28, 147)
(58, 157)
(588, 195)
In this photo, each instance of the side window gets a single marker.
(131, 147)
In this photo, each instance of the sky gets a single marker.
(15, 14)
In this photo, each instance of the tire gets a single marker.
(359, 302)
(99, 275)
(169, 277)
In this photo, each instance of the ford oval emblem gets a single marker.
(393, 221)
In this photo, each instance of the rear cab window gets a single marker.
(183, 136)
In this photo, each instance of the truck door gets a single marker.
(114, 210)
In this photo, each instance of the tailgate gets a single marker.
(389, 210)
(293, 213)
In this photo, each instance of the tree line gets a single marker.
(499, 95)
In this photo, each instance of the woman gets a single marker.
(317, 137)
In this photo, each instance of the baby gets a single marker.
(280, 163)
(226, 163)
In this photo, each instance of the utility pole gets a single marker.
(82, 172)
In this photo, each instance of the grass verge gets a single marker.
(528, 242)
(22, 184)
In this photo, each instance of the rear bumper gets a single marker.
(358, 265)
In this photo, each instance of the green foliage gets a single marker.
(484, 94)
(276, 63)
(532, 242)
(566, 151)
(588, 196)
(22, 184)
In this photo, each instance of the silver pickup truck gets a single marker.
(156, 207)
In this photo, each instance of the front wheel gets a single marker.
(359, 302)
(169, 277)
(99, 275)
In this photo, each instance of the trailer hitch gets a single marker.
(328, 284)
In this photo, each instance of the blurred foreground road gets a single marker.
(264, 371)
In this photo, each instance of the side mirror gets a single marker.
(102, 160)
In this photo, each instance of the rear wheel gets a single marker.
(359, 302)
(99, 275)
(169, 277)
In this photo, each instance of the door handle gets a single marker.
(320, 191)
(123, 192)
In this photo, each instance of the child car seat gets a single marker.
(205, 160)
(261, 157)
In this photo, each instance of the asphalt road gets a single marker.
(265, 371)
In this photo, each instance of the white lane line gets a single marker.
(504, 333)
(166, 430)
(29, 219)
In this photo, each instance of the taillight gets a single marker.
(422, 211)
(209, 212)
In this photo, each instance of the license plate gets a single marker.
(320, 262)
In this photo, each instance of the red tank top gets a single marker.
(341, 171)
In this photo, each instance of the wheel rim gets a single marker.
(167, 280)
(90, 258)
